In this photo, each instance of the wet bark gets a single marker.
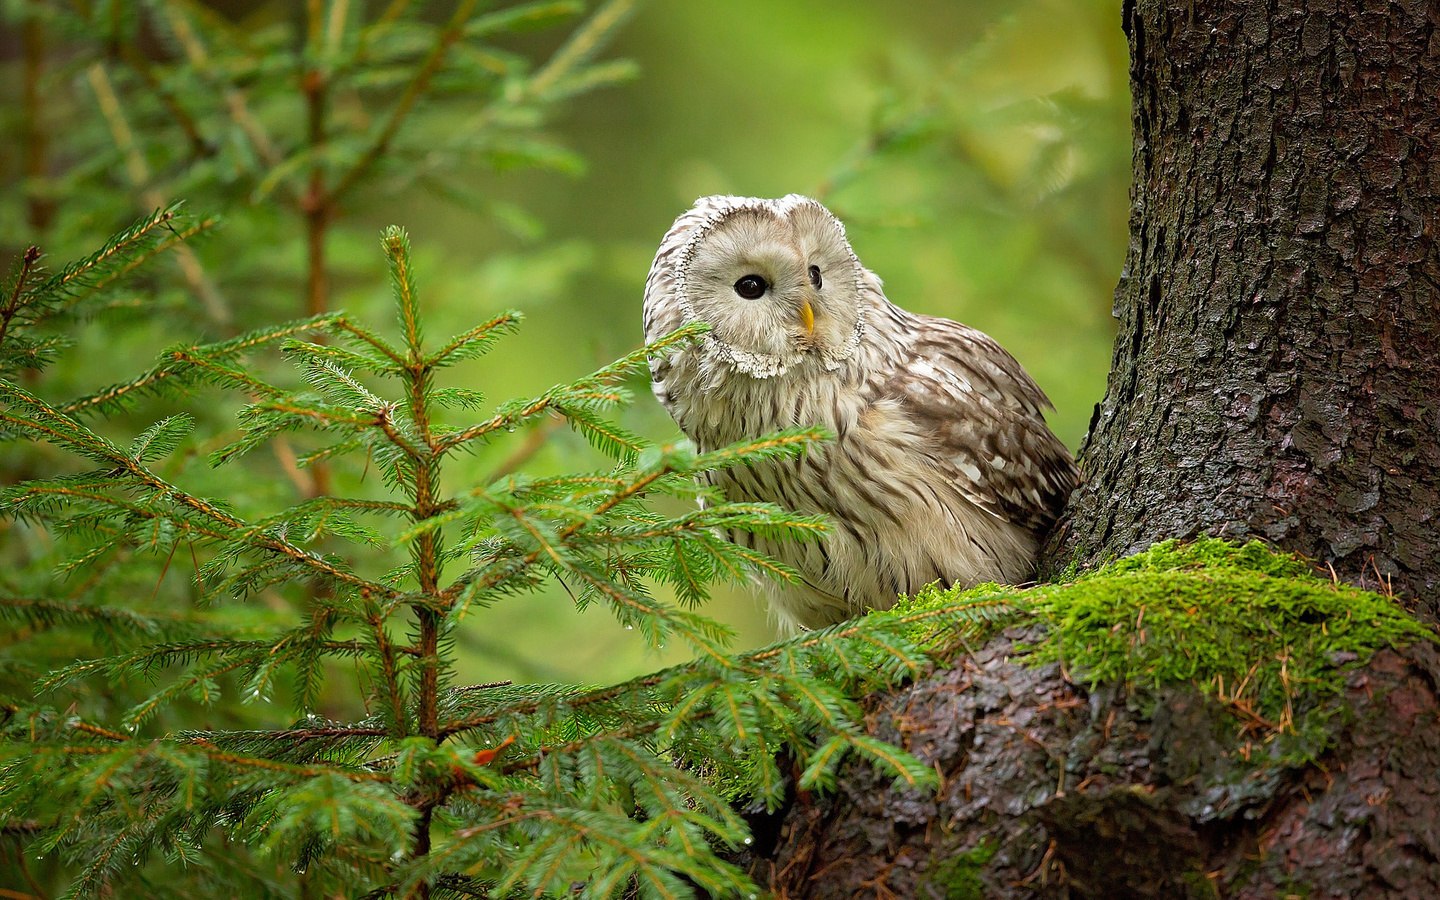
(1049, 792)
(1277, 369)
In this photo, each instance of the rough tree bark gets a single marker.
(1277, 374)
(1051, 793)
(1277, 371)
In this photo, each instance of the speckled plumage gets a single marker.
(942, 468)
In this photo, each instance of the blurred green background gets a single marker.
(978, 153)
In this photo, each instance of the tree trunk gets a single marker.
(1277, 370)
(1052, 793)
(1276, 375)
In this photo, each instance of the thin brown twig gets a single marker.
(12, 303)
(390, 670)
(492, 424)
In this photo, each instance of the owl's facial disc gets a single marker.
(775, 283)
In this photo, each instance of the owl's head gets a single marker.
(776, 281)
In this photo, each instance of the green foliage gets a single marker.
(442, 787)
(290, 119)
(1254, 629)
(1005, 210)
(958, 877)
(987, 158)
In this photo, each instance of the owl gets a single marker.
(941, 468)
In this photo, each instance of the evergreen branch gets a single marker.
(323, 733)
(115, 392)
(175, 361)
(578, 700)
(324, 417)
(471, 343)
(748, 664)
(47, 613)
(341, 358)
(526, 16)
(515, 413)
(351, 444)
(146, 659)
(244, 343)
(389, 669)
(502, 420)
(386, 422)
(62, 429)
(175, 238)
(687, 333)
(140, 64)
(345, 326)
(726, 551)
(318, 516)
(227, 375)
(757, 518)
(285, 548)
(1001, 602)
(605, 436)
(496, 576)
(83, 274)
(204, 680)
(449, 34)
(16, 498)
(20, 282)
(161, 438)
(337, 384)
(635, 487)
(39, 418)
(99, 731)
(282, 768)
(402, 279)
(777, 444)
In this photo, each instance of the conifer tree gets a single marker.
(208, 688)
(440, 788)
(291, 122)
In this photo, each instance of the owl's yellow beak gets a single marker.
(807, 316)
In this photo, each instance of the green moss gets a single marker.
(958, 877)
(1255, 629)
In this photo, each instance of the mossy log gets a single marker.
(1312, 769)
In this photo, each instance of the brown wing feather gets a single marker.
(986, 416)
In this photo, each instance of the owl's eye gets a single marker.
(752, 287)
(815, 276)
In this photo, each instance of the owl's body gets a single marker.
(942, 468)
